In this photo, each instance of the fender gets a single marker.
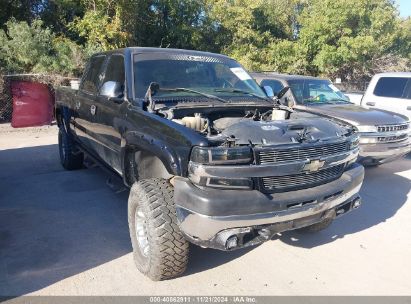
(174, 162)
(168, 141)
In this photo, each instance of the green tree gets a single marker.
(404, 38)
(251, 31)
(21, 10)
(68, 57)
(349, 39)
(101, 26)
(284, 56)
(57, 14)
(170, 23)
(32, 48)
(25, 48)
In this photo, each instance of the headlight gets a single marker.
(367, 129)
(226, 183)
(355, 141)
(221, 155)
(369, 140)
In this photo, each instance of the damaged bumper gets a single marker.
(231, 219)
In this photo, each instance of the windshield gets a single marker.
(218, 76)
(316, 91)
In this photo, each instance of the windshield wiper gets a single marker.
(195, 92)
(242, 92)
(311, 100)
(154, 87)
(340, 99)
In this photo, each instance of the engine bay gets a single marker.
(254, 126)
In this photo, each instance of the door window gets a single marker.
(91, 79)
(316, 91)
(390, 87)
(276, 85)
(407, 91)
(115, 70)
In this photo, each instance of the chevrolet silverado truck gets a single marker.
(208, 162)
(384, 135)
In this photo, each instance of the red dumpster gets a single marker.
(32, 104)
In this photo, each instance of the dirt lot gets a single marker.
(65, 233)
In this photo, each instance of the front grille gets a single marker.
(312, 152)
(392, 128)
(301, 181)
(390, 139)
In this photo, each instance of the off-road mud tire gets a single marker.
(167, 255)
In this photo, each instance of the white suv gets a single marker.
(389, 91)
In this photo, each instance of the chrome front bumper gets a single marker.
(379, 153)
(200, 211)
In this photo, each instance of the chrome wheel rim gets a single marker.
(140, 223)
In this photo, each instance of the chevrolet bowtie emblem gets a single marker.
(314, 165)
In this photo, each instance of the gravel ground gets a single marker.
(66, 233)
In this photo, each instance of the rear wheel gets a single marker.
(70, 157)
(159, 248)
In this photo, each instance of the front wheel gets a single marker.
(159, 248)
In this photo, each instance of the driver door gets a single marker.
(85, 103)
(109, 114)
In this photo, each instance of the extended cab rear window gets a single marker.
(394, 87)
(276, 85)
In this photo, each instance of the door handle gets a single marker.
(370, 103)
(93, 109)
(409, 108)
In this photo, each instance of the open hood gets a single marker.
(283, 131)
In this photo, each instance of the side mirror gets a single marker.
(284, 100)
(269, 91)
(154, 88)
(112, 89)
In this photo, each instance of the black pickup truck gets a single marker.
(209, 157)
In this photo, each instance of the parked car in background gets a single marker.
(389, 91)
(384, 135)
(198, 142)
(354, 97)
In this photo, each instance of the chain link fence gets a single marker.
(6, 100)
